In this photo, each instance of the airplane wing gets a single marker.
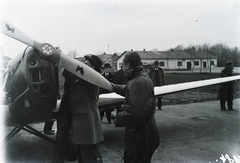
(113, 98)
(47, 51)
(173, 88)
(110, 99)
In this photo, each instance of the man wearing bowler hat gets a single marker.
(225, 92)
(157, 76)
(84, 120)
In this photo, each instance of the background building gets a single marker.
(174, 60)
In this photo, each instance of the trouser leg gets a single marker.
(159, 103)
(118, 109)
(89, 153)
(108, 115)
(222, 105)
(230, 104)
(48, 126)
(132, 151)
(101, 114)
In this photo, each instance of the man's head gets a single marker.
(156, 64)
(93, 61)
(131, 61)
(229, 64)
(107, 67)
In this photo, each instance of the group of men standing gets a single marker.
(79, 124)
(156, 74)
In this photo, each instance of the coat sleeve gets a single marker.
(136, 108)
(120, 89)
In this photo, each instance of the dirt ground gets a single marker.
(190, 133)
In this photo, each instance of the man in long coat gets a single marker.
(225, 92)
(141, 133)
(80, 117)
(109, 76)
(157, 76)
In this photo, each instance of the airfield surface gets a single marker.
(197, 132)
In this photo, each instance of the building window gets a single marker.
(161, 64)
(179, 63)
(196, 63)
(212, 62)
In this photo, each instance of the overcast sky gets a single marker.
(117, 25)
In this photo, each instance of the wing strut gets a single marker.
(29, 129)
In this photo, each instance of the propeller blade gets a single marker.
(47, 51)
(85, 72)
(14, 33)
(45, 48)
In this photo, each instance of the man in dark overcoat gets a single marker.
(109, 76)
(157, 76)
(141, 133)
(79, 118)
(225, 92)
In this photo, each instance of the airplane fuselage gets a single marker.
(31, 88)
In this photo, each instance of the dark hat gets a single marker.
(106, 65)
(229, 63)
(156, 63)
(96, 61)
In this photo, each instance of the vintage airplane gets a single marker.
(31, 83)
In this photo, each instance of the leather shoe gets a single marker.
(50, 132)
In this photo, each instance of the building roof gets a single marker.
(151, 54)
(105, 57)
(175, 55)
(172, 55)
(147, 54)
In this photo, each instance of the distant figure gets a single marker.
(225, 92)
(109, 76)
(157, 76)
(107, 72)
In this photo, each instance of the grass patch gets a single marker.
(207, 93)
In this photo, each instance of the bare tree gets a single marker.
(179, 48)
(72, 53)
